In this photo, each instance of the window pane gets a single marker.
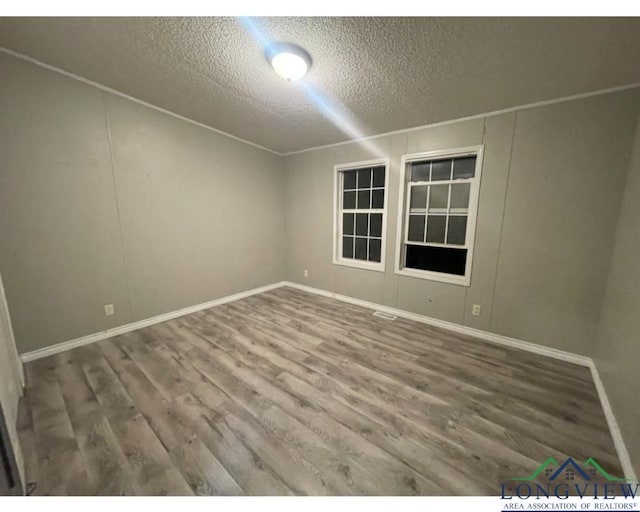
(420, 171)
(447, 260)
(362, 224)
(361, 248)
(464, 167)
(375, 225)
(435, 228)
(363, 190)
(349, 201)
(378, 177)
(460, 195)
(416, 228)
(441, 170)
(438, 196)
(364, 199)
(348, 223)
(377, 199)
(349, 179)
(457, 229)
(419, 196)
(364, 178)
(347, 247)
(375, 247)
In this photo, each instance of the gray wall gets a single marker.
(549, 199)
(105, 201)
(618, 351)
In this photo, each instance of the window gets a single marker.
(360, 214)
(437, 214)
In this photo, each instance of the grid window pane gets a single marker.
(420, 171)
(349, 179)
(349, 200)
(348, 224)
(364, 199)
(347, 247)
(457, 231)
(416, 228)
(441, 170)
(361, 249)
(362, 224)
(436, 228)
(460, 195)
(438, 197)
(419, 197)
(378, 177)
(437, 203)
(364, 178)
(377, 199)
(375, 249)
(362, 219)
(375, 225)
(464, 167)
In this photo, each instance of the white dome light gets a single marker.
(289, 66)
(289, 61)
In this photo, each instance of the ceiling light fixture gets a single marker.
(288, 60)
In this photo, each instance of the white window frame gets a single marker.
(403, 214)
(337, 214)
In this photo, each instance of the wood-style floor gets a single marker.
(292, 393)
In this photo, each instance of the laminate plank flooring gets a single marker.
(289, 393)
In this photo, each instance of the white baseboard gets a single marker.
(616, 434)
(450, 326)
(92, 338)
(623, 454)
(498, 339)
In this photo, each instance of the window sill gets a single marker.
(435, 276)
(376, 267)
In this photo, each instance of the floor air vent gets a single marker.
(384, 315)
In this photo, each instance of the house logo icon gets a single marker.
(588, 471)
(553, 480)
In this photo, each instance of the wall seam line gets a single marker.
(504, 212)
(117, 202)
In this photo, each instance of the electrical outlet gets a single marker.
(108, 309)
(306, 272)
(476, 310)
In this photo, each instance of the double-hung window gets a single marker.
(437, 214)
(360, 194)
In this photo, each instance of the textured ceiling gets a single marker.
(390, 73)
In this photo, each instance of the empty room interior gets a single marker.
(318, 255)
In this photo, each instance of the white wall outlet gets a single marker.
(306, 272)
(108, 309)
(475, 311)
